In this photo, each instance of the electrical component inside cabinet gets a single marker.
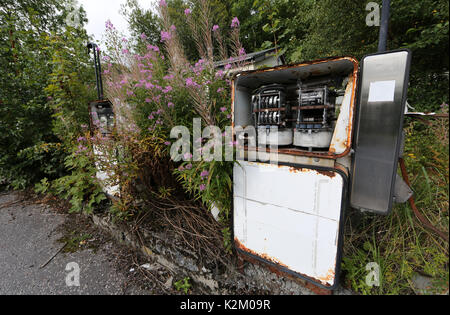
(298, 108)
(269, 106)
(315, 115)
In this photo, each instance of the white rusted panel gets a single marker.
(103, 176)
(340, 140)
(288, 216)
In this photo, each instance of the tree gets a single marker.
(25, 60)
(141, 21)
(145, 21)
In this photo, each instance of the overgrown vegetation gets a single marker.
(164, 76)
(399, 243)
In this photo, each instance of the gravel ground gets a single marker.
(32, 233)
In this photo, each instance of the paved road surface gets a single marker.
(29, 237)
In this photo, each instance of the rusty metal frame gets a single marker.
(272, 263)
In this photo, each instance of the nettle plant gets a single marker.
(158, 90)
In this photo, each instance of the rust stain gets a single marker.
(296, 170)
(297, 65)
(280, 273)
(327, 173)
(329, 276)
(347, 142)
(341, 167)
(311, 286)
(263, 255)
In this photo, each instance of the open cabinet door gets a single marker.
(290, 218)
(382, 98)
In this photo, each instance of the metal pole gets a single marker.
(385, 15)
(92, 46)
(100, 73)
(98, 70)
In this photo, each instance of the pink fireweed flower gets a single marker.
(219, 74)
(153, 48)
(235, 22)
(228, 67)
(220, 90)
(181, 168)
(189, 166)
(202, 187)
(187, 156)
(167, 143)
(130, 93)
(124, 40)
(82, 148)
(109, 25)
(165, 36)
(149, 86)
(199, 63)
(170, 105)
(167, 89)
(162, 3)
(187, 12)
(81, 139)
(173, 28)
(143, 36)
(215, 28)
(204, 174)
(147, 100)
(169, 77)
(223, 109)
(241, 52)
(125, 51)
(151, 117)
(191, 82)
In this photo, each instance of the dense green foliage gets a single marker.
(45, 87)
(47, 82)
(312, 29)
(28, 145)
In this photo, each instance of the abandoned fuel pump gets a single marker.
(335, 125)
(102, 120)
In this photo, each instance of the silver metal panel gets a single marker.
(382, 97)
(290, 217)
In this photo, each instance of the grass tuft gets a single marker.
(398, 243)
